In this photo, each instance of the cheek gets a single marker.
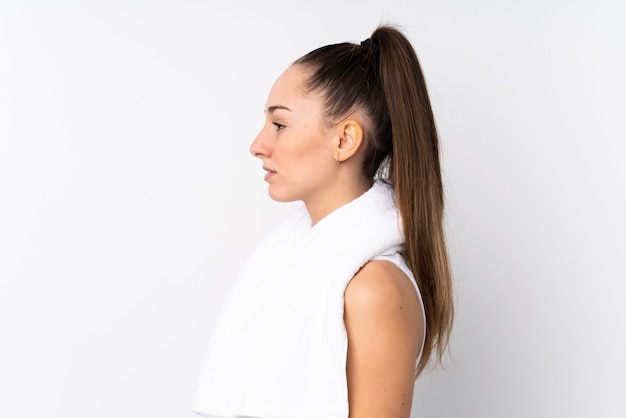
(304, 149)
(315, 145)
(300, 150)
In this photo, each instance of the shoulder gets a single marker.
(384, 323)
(380, 284)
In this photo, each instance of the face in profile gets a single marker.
(296, 143)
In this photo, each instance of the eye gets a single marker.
(278, 126)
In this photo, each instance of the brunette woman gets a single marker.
(348, 301)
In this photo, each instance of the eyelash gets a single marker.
(278, 126)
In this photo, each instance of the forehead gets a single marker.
(288, 90)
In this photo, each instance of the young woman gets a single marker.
(346, 303)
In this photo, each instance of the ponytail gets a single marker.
(415, 173)
(382, 78)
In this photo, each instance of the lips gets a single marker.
(270, 173)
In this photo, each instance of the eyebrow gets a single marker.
(272, 109)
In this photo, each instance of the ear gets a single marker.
(350, 139)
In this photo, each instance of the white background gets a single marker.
(128, 197)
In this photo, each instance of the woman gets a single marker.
(344, 304)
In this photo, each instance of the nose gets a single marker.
(260, 147)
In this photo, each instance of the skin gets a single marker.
(383, 320)
(298, 145)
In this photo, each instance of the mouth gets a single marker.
(270, 173)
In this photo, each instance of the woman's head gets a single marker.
(308, 155)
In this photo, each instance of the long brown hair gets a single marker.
(382, 78)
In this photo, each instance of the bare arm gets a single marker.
(384, 323)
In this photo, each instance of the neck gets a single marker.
(334, 198)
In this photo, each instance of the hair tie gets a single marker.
(372, 46)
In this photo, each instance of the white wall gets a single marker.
(127, 196)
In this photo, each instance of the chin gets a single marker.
(277, 196)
